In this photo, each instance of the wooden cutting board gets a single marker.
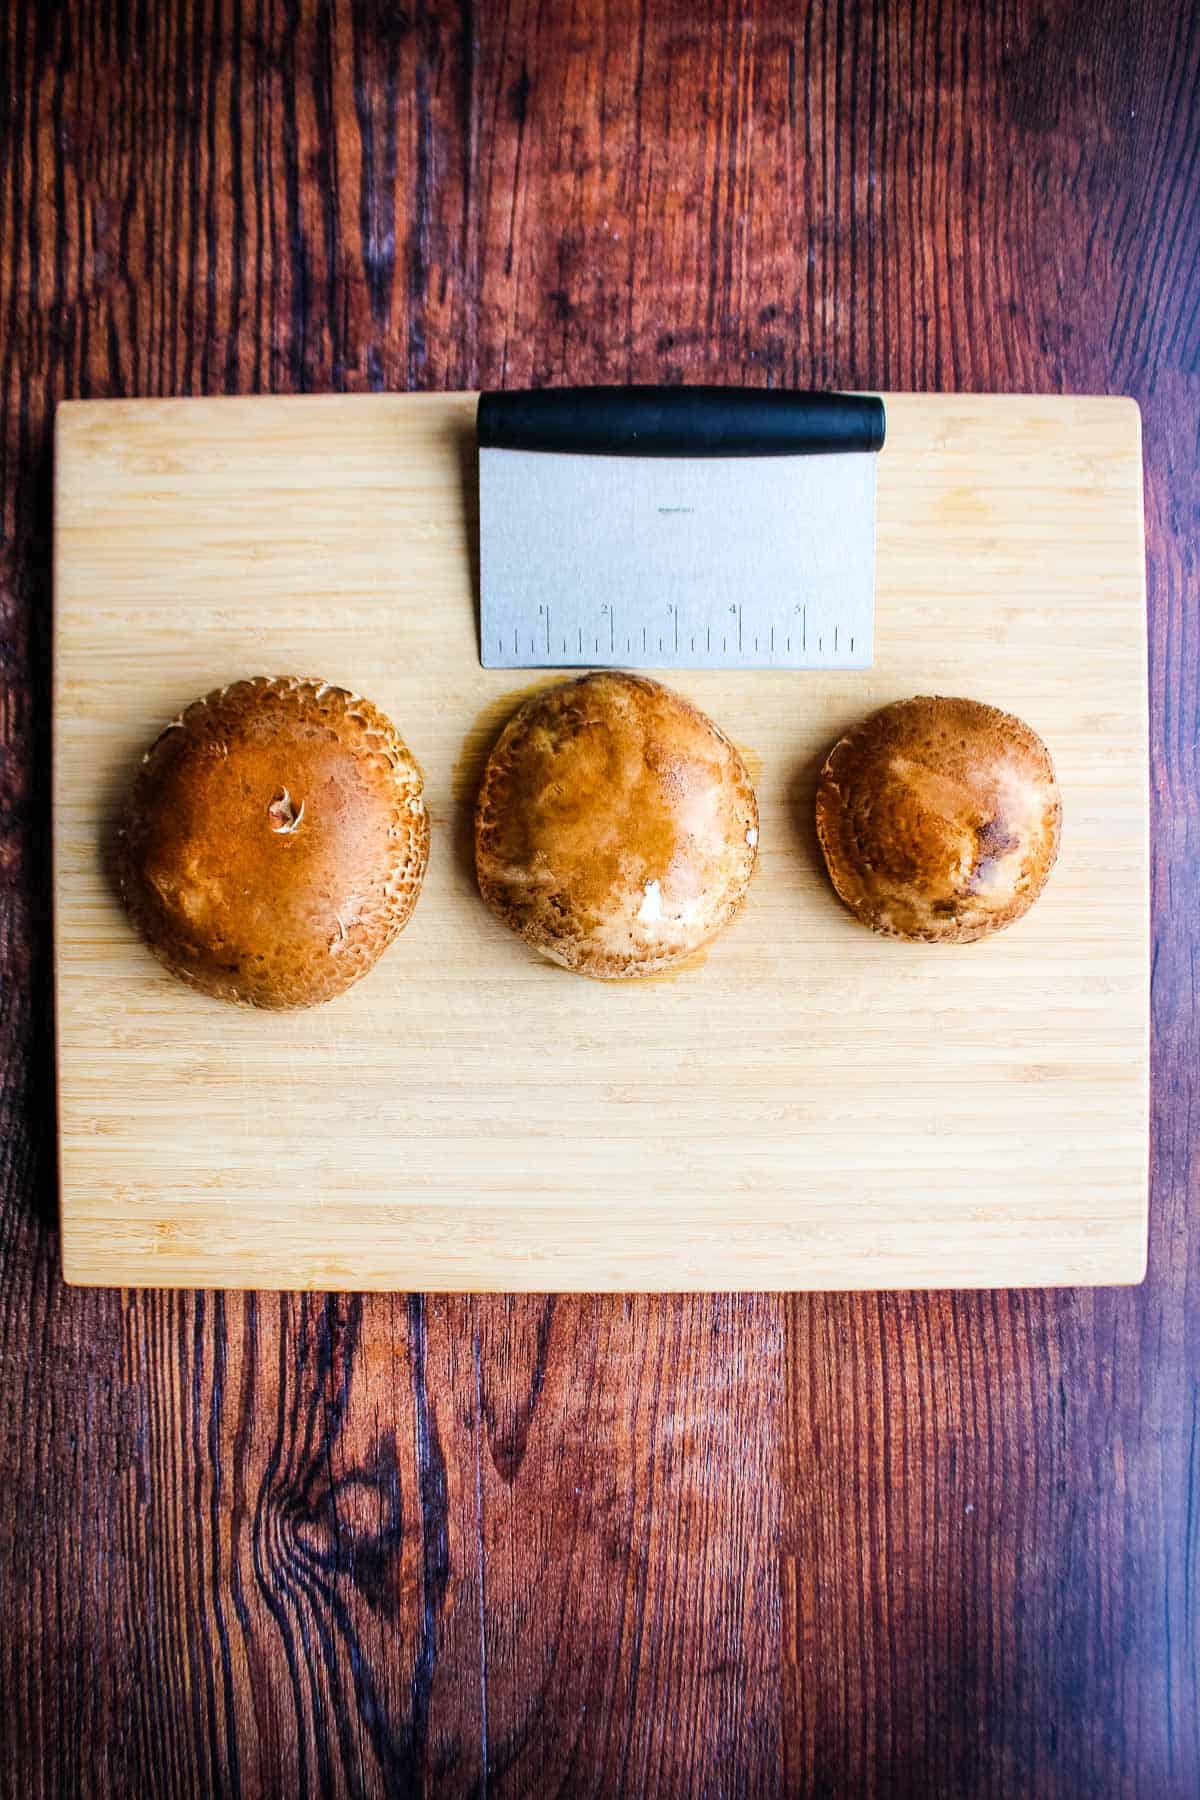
(813, 1107)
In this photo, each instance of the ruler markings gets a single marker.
(748, 642)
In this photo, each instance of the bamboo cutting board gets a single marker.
(813, 1107)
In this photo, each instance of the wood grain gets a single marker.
(817, 1107)
(294, 197)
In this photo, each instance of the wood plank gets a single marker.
(612, 1611)
(816, 1107)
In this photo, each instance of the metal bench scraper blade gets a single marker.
(677, 528)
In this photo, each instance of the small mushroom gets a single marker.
(939, 819)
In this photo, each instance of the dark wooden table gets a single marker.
(929, 1544)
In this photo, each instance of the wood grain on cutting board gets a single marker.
(812, 1107)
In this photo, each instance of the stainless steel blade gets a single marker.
(659, 562)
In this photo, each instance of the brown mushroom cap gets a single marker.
(939, 819)
(274, 841)
(616, 828)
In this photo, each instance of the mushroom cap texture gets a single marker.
(616, 828)
(274, 841)
(939, 819)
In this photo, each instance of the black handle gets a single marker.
(680, 421)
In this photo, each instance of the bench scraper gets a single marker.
(677, 527)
